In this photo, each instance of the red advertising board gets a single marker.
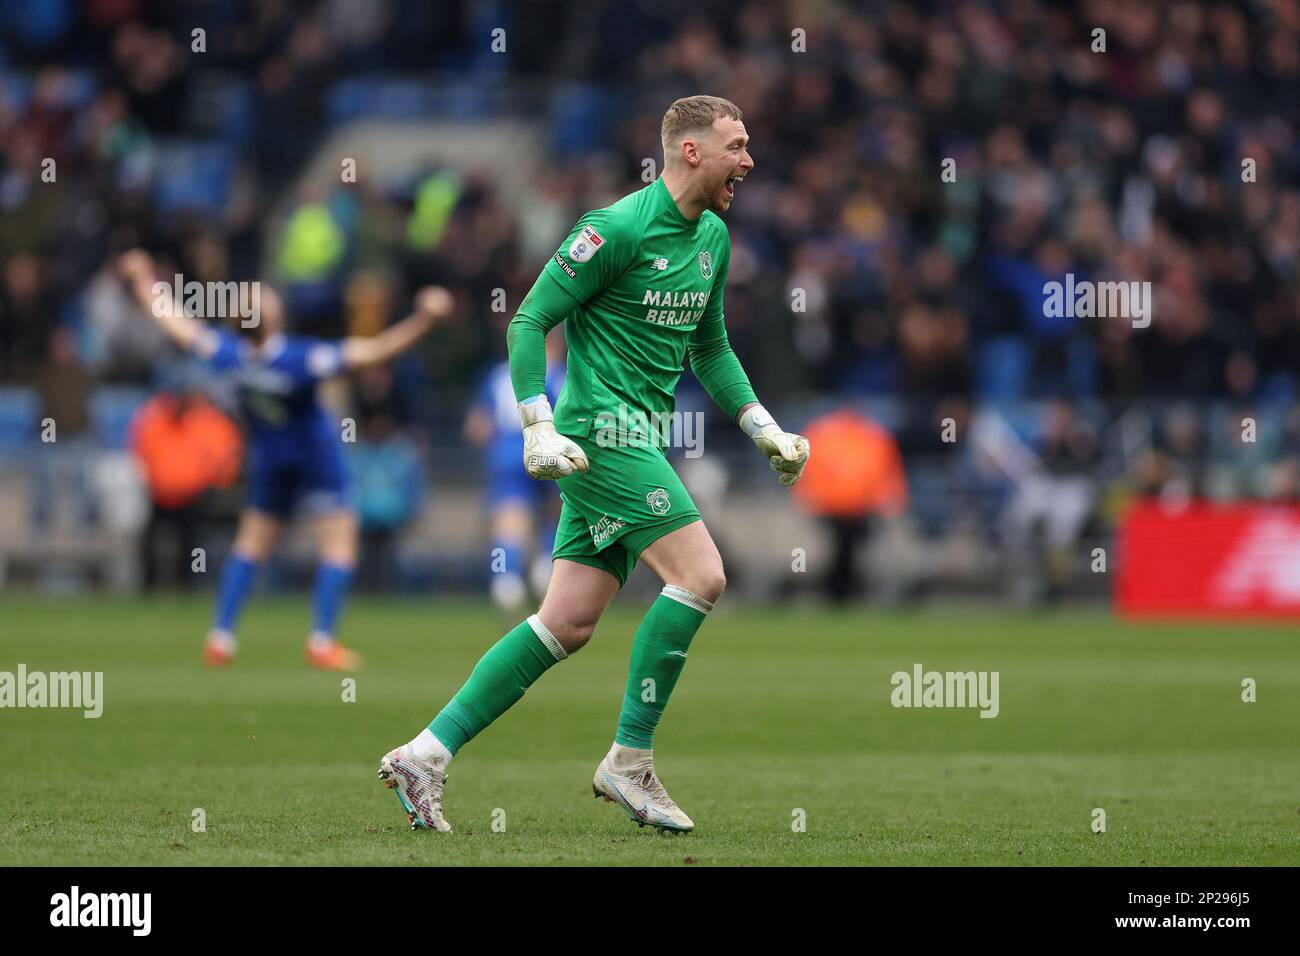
(1238, 560)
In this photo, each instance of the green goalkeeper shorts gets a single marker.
(627, 500)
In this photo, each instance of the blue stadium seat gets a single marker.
(404, 99)
(885, 412)
(401, 99)
(578, 118)
(239, 112)
(349, 99)
(20, 410)
(193, 176)
(873, 374)
(15, 91)
(111, 410)
(38, 22)
(1278, 388)
(1002, 372)
(76, 89)
(470, 99)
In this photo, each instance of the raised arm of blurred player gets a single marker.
(137, 269)
(433, 304)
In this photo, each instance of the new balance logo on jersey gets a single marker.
(660, 263)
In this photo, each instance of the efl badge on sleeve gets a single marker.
(586, 245)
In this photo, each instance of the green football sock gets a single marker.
(497, 682)
(658, 656)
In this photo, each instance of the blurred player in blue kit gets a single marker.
(295, 445)
(523, 511)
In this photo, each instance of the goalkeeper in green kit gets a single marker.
(640, 284)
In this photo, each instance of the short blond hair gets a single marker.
(693, 114)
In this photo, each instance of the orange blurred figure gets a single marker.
(184, 446)
(857, 474)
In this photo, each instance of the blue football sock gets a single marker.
(332, 581)
(237, 576)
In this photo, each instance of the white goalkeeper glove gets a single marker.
(547, 453)
(787, 451)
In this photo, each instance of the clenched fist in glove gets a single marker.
(547, 453)
(787, 451)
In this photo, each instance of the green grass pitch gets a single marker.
(777, 712)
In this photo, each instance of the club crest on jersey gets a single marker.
(706, 265)
(586, 245)
(658, 501)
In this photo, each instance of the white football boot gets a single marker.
(627, 777)
(418, 785)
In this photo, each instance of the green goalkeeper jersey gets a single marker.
(642, 287)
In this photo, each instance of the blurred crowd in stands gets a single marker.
(859, 272)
